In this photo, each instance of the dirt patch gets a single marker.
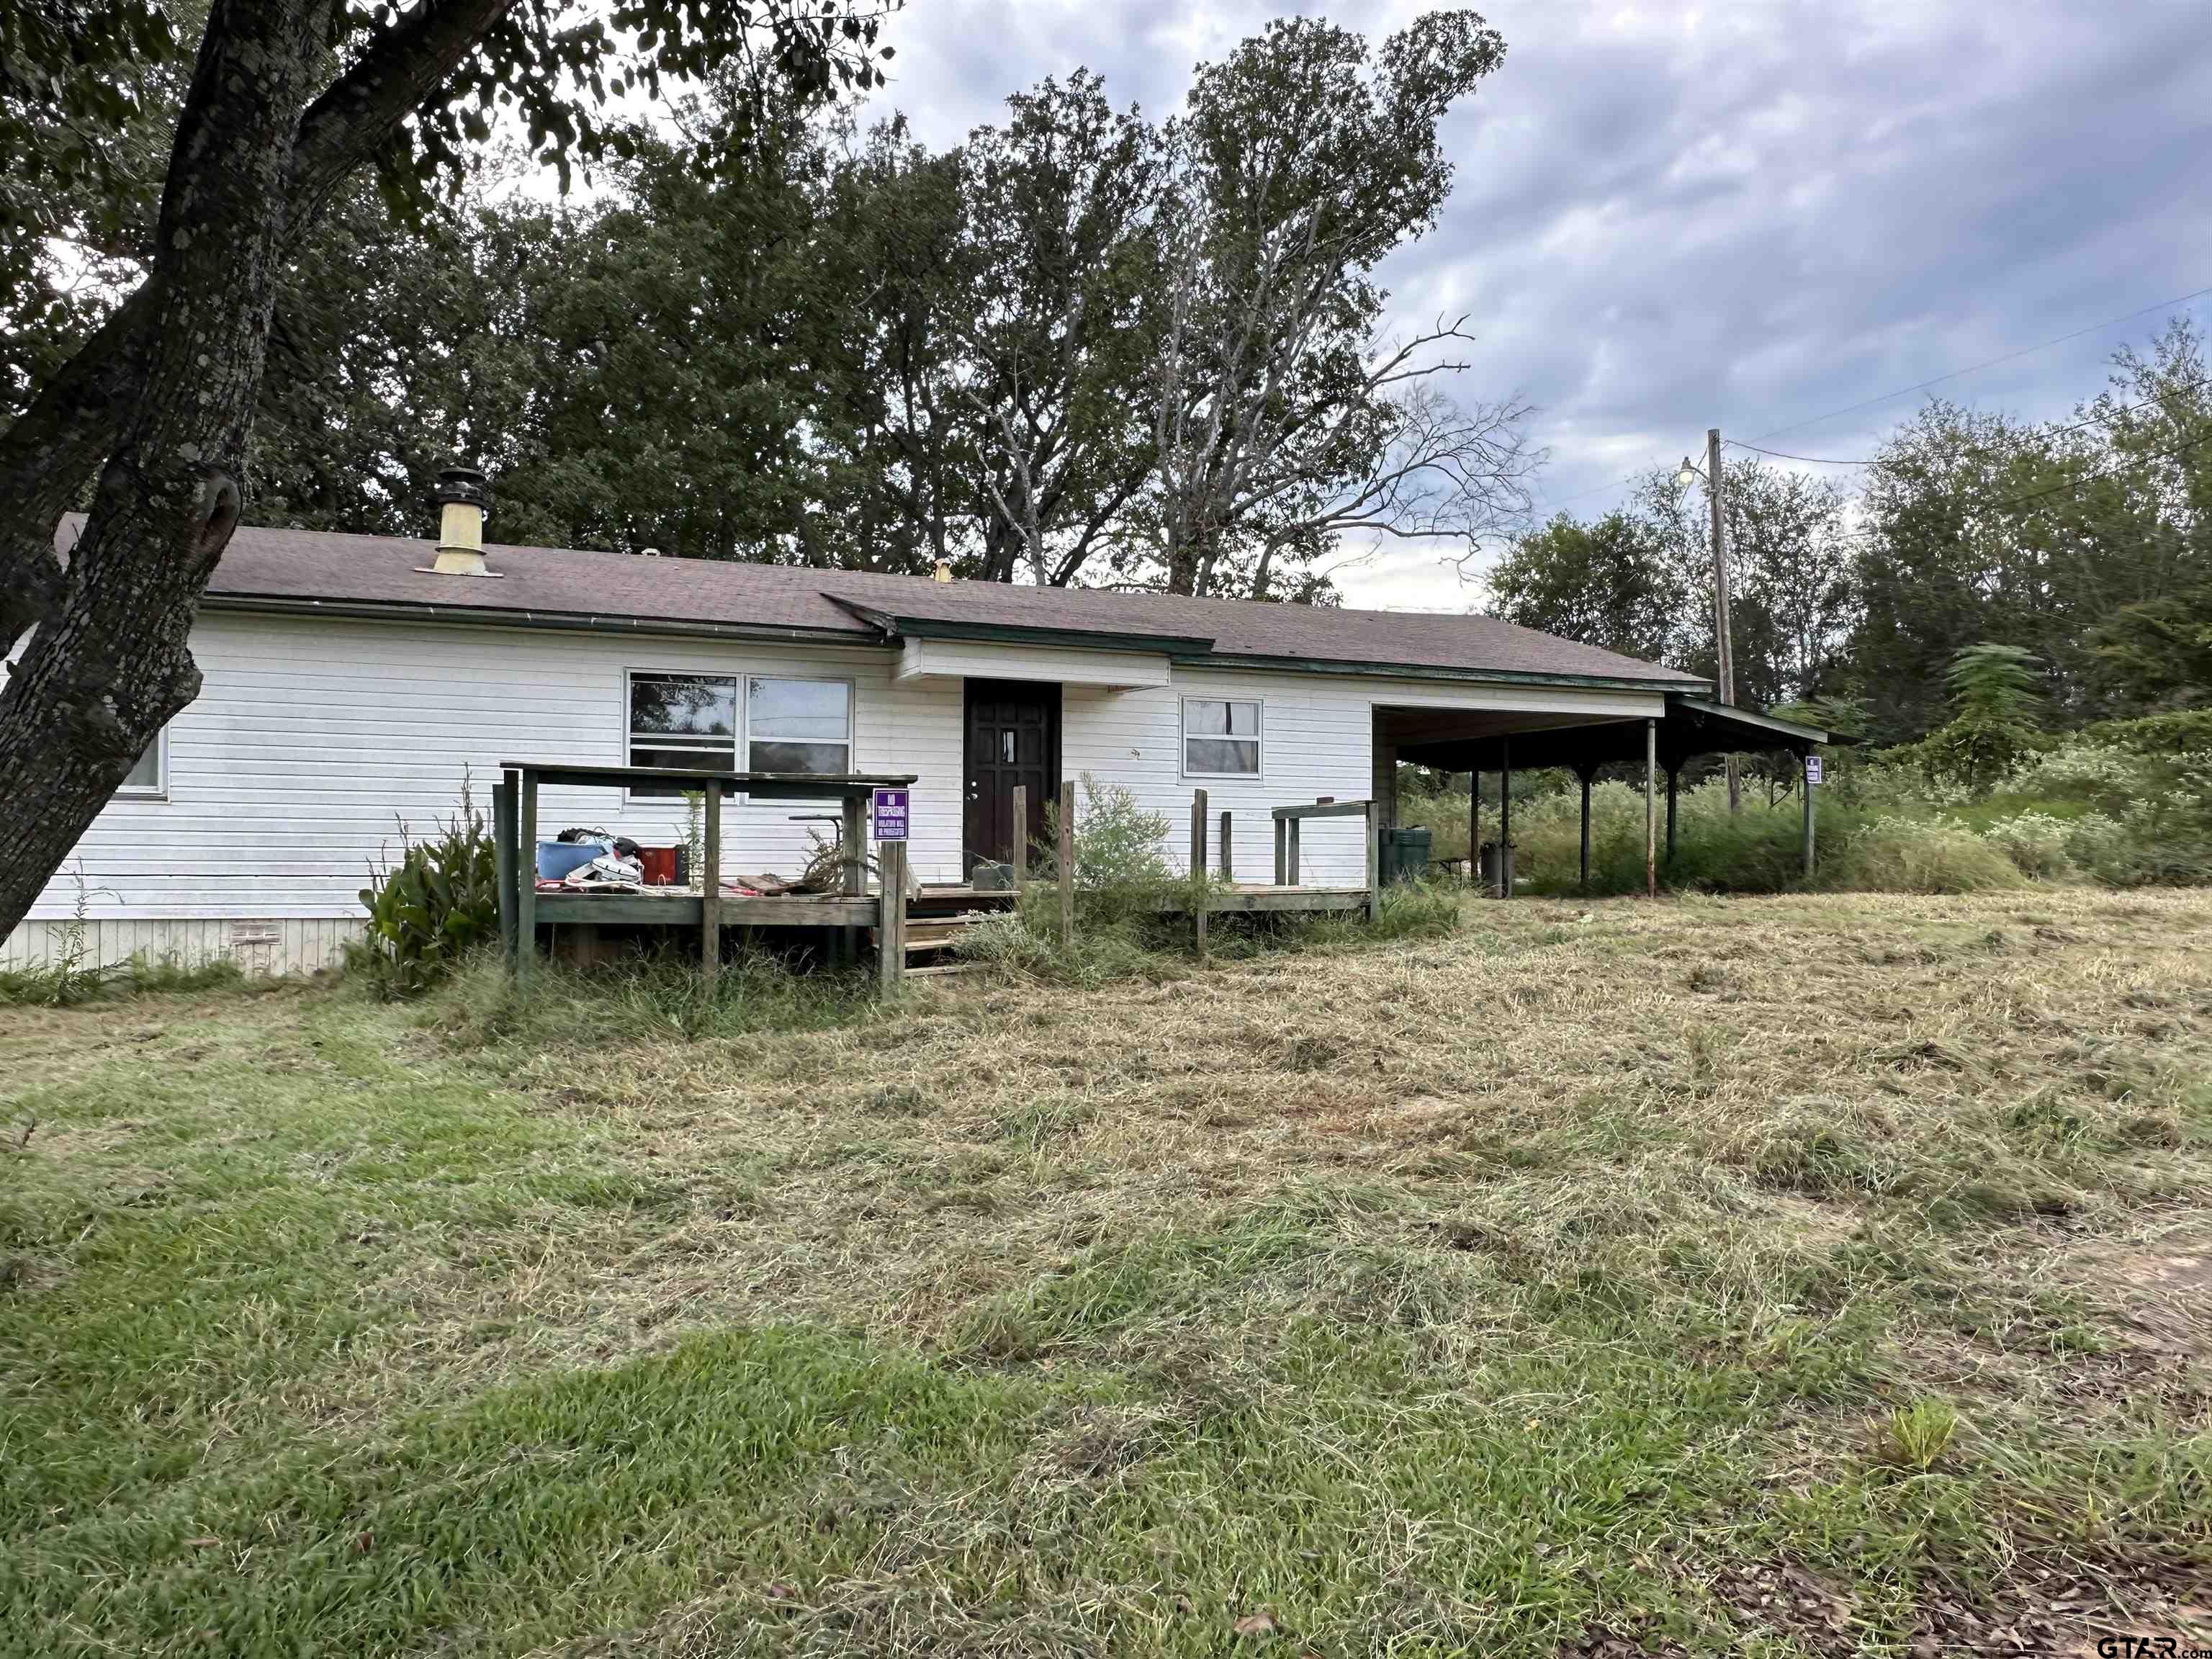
(2158, 1286)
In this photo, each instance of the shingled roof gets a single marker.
(553, 587)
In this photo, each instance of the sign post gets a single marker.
(1811, 777)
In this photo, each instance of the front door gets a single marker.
(1013, 737)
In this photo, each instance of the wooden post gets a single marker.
(855, 881)
(1067, 864)
(1805, 784)
(891, 918)
(503, 836)
(1651, 809)
(1021, 835)
(1584, 772)
(1198, 869)
(1506, 818)
(526, 881)
(1228, 859)
(1474, 829)
(1373, 861)
(1290, 852)
(1673, 788)
(710, 890)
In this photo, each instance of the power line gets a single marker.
(2045, 431)
(1990, 362)
(1867, 403)
(1784, 455)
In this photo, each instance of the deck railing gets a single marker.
(522, 908)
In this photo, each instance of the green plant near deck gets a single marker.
(431, 909)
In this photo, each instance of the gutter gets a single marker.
(555, 621)
(1419, 672)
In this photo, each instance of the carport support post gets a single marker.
(1673, 782)
(1506, 818)
(1584, 773)
(1474, 829)
(1651, 809)
(1805, 784)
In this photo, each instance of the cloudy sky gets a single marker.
(1670, 216)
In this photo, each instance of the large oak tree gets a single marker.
(146, 423)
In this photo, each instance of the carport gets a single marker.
(1693, 727)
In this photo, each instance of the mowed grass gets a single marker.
(1780, 1276)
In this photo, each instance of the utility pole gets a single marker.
(1723, 642)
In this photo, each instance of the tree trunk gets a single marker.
(110, 665)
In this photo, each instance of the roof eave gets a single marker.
(1400, 671)
(1790, 729)
(896, 625)
(417, 611)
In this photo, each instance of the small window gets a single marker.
(683, 720)
(799, 725)
(147, 777)
(1220, 739)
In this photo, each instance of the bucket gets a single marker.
(660, 865)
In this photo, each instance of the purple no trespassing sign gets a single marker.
(891, 814)
(1811, 770)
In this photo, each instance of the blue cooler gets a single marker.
(556, 859)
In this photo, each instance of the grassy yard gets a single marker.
(1784, 1276)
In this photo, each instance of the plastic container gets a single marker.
(556, 859)
(658, 864)
(1406, 854)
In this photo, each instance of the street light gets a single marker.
(1688, 474)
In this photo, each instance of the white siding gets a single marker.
(312, 742)
(260, 945)
(1317, 739)
(976, 659)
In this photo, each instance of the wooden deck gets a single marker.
(1251, 897)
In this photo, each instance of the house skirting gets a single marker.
(277, 945)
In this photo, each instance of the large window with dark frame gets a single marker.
(1220, 738)
(739, 723)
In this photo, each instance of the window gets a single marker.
(683, 720)
(694, 721)
(149, 777)
(798, 726)
(1220, 739)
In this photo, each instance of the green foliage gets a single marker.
(1996, 685)
(1608, 583)
(1921, 855)
(1919, 1434)
(426, 912)
(1119, 846)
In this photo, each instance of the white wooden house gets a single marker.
(351, 682)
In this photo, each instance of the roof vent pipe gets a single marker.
(463, 498)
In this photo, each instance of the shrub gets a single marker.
(428, 911)
(2035, 842)
(1120, 864)
(1914, 855)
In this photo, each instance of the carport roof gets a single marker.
(1693, 727)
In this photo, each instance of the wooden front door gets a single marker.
(1013, 737)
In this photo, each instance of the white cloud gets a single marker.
(1671, 215)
